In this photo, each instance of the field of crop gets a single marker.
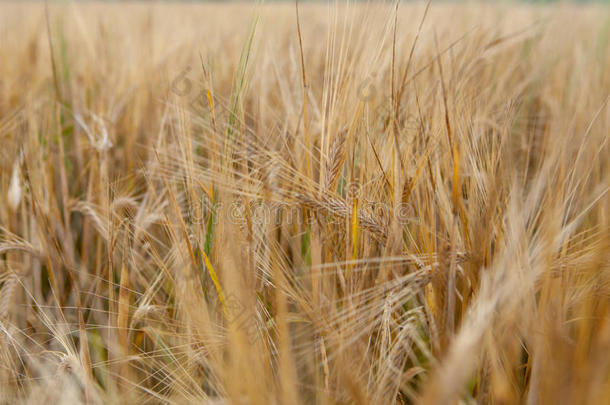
(335, 203)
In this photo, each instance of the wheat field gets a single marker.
(315, 203)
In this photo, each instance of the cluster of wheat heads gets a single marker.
(363, 203)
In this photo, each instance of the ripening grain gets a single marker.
(336, 204)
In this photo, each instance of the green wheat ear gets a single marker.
(239, 82)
